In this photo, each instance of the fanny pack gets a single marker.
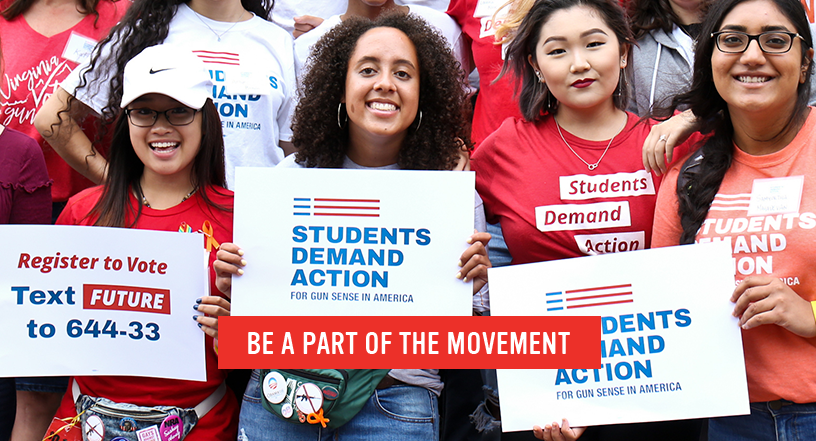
(105, 420)
(329, 397)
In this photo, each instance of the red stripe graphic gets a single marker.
(345, 208)
(599, 296)
(218, 57)
(216, 53)
(345, 200)
(600, 304)
(598, 288)
(346, 214)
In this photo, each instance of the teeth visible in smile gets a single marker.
(746, 79)
(382, 106)
(163, 145)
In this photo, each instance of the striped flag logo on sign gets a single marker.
(588, 297)
(336, 207)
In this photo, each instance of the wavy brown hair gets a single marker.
(434, 145)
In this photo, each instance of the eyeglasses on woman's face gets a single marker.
(771, 42)
(178, 116)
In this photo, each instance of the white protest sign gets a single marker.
(670, 347)
(324, 242)
(78, 300)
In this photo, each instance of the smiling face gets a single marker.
(165, 149)
(381, 92)
(755, 82)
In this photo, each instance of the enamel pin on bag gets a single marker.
(329, 397)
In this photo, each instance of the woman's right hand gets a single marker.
(229, 262)
(658, 148)
(551, 432)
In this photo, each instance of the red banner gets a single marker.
(410, 342)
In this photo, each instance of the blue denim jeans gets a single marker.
(57, 385)
(767, 421)
(397, 413)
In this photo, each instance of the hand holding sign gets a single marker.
(474, 261)
(768, 300)
(551, 432)
(230, 261)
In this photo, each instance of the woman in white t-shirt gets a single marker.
(250, 61)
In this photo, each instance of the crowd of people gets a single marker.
(135, 114)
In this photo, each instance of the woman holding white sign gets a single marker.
(568, 180)
(397, 103)
(751, 184)
(166, 173)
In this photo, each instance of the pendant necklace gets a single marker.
(595, 165)
(217, 35)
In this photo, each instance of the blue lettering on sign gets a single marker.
(218, 75)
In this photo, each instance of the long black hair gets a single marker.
(431, 143)
(533, 96)
(125, 170)
(697, 193)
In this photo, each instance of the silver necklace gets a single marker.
(147, 204)
(217, 35)
(595, 165)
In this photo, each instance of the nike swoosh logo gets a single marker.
(160, 70)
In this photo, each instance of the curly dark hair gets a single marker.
(442, 98)
(710, 108)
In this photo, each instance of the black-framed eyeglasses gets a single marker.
(771, 42)
(178, 116)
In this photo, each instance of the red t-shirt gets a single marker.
(221, 423)
(551, 206)
(495, 102)
(34, 65)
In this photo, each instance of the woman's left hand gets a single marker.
(474, 261)
(213, 307)
(768, 300)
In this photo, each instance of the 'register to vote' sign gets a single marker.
(324, 242)
(78, 300)
(668, 340)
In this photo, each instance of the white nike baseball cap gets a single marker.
(167, 70)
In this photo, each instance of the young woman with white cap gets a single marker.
(166, 173)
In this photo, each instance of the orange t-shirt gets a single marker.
(765, 209)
